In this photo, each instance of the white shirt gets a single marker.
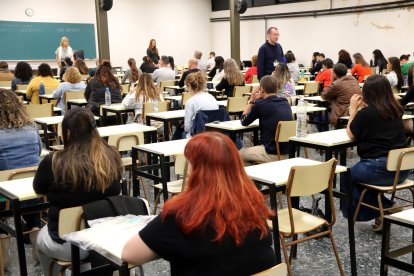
(201, 65)
(392, 77)
(218, 76)
(199, 101)
(211, 63)
(162, 74)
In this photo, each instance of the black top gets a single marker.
(147, 68)
(266, 57)
(269, 111)
(152, 55)
(213, 72)
(381, 63)
(95, 95)
(376, 136)
(409, 97)
(346, 62)
(316, 68)
(224, 84)
(197, 254)
(181, 82)
(63, 197)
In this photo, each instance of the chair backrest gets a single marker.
(39, 110)
(278, 270)
(181, 168)
(18, 173)
(203, 117)
(21, 86)
(166, 83)
(395, 90)
(185, 96)
(72, 95)
(255, 79)
(236, 104)
(126, 141)
(125, 87)
(311, 87)
(5, 83)
(149, 108)
(239, 90)
(400, 159)
(70, 220)
(284, 130)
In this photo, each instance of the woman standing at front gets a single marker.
(377, 128)
(86, 170)
(152, 51)
(214, 227)
(64, 50)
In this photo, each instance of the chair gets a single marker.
(398, 160)
(238, 91)
(166, 83)
(5, 83)
(125, 87)
(18, 173)
(236, 105)
(185, 96)
(176, 186)
(284, 130)
(307, 181)
(39, 110)
(72, 95)
(311, 87)
(124, 143)
(70, 220)
(149, 108)
(278, 270)
(255, 79)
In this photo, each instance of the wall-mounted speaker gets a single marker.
(241, 6)
(106, 5)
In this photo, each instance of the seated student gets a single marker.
(95, 89)
(269, 109)
(394, 74)
(83, 69)
(375, 123)
(293, 66)
(132, 74)
(345, 58)
(20, 147)
(72, 81)
(45, 74)
(147, 65)
(215, 227)
(86, 170)
(200, 100)
(318, 65)
(217, 73)
(201, 64)
(163, 72)
(325, 75)
(22, 74)
(405, 64)
(285, 84)
(339, 92)
(232, 77)
(409, 97)
(5, 74)
(379, 60)
(192, 67)
(67, 62)
(248, 76)
(211, 61)
(361, 67)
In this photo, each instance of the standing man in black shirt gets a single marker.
(270, 53)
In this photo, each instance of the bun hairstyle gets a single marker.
(196, 81)
(107, 63)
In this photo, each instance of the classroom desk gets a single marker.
(165, 117)
(76, 102)
(175, 88)
(235, 127)
(5, 87)
(129, 129)
(160, 160)
(121, 229)
(116, 108)
(17, 191)
(48, 97)
(174, 101)
(344, 119)
(265, 174)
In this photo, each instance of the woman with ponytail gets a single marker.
(132, 74)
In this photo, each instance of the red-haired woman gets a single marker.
(217, 226)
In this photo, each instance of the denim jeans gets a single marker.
(370, 171)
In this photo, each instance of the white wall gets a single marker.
(359, 32)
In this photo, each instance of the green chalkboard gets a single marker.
(39, 40)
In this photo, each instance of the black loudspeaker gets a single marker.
(106, 5)
(241, 6)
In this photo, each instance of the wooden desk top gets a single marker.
(167, 148)
(21, 188)
(314, 98)
(78, 101)
(168, 114)
(327, 138)
(173, 98)
(124, 129)
(116, 107)
(233, 125)
(53, 120)
(406, 216)
(309, 109)
(46, 96)
(404, 117)
(278, 172)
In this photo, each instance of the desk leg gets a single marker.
(255, 137)
(385, 247)
(46, 135)
(19, 237)
(123, 270)
(292, 149)
(75, 260)
(135, 181)
(104, 114)
(351, 232)
(275, 223)
(165, 175)
(119, 118)
(166, 136)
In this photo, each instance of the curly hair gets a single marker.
(23, 71)
(12, 112)
(105, 76)
(72, 75)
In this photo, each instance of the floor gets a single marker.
(314, 257)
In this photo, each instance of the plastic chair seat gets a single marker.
(173, 187)
(126, 161)
(404, 185)
(303, 221)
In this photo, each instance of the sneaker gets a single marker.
(5, 247)
(33, 240)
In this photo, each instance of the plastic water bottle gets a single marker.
(41, 88)
(107, 96)
(377, 71)
(301, 126)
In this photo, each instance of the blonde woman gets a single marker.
(285, 83)
(86, 170)
(232, 77)
(145, 92)
(73, 81)
(64, 50)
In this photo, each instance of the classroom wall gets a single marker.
(359, 32)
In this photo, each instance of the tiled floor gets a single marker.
(315, 257)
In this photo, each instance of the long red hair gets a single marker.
(219, 195)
